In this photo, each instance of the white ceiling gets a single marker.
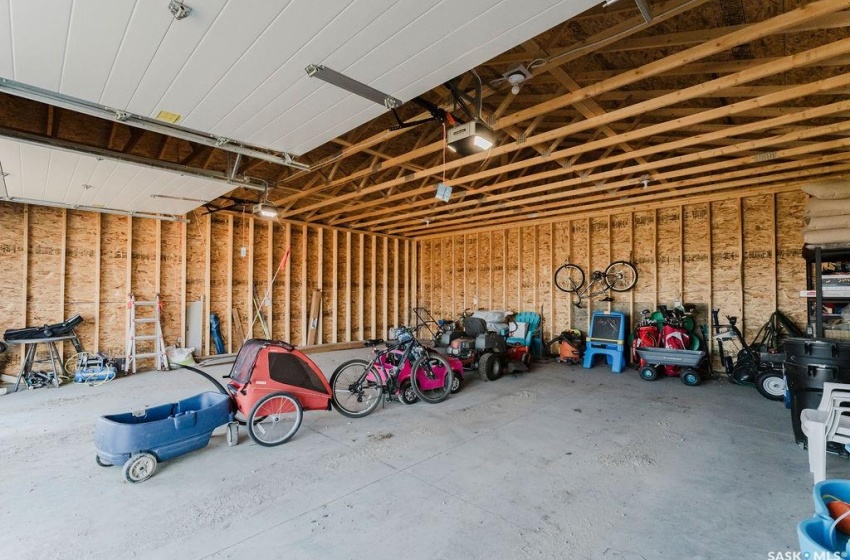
(235, 68)
(66, 178)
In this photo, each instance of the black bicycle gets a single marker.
(619, 276)
(404, 368)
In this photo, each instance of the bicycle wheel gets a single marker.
(355, 392)
(275, 419)
(569, 278)
(431, 378)
(621, 276)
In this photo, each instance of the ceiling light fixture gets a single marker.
(81, 106)
(645, 179)
(178, 9)
(470, 138)
(516, 77)
(351, 85)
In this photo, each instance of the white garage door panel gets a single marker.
(52, 175)
(231, 34)
(293, 29)
(10, 158)
(60, 171)
(39, 41)
(181, 41)
(92, 47)
(339, 104)
(82, 176)
(34, 162)
(148, 26)
(6, 65)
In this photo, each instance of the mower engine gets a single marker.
(464, 350)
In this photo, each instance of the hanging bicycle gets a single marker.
(619, 276)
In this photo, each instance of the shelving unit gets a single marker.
(834, 296)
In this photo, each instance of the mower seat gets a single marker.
(474, 326)
(531, 321)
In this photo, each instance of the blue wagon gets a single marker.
(139, 440)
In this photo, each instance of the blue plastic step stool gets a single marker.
(607, 336)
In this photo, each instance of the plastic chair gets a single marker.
(829, 422)
(532, 322)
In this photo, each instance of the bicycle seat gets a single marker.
(373, 342)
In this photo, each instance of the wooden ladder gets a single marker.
(132, 354)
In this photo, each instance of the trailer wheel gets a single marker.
(771, 385)
(690, 376)
(139, 468)
(275, 419)
(648, 373)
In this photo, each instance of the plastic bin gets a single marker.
(813, 533)
(809, 363)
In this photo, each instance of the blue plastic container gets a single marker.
(813, 535)
(836, 488)
(166, 431)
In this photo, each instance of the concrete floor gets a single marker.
(558, 463)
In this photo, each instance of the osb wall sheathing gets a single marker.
(262, 267)
(358, 328)
(726, 259)
(485, 277)
(241, 303)
(741, 254)
(644, 234)
(499, 270)
(280, 312)
(298, 290)
(113, 285)
(380, 289)
(369, 311)
(143, 274)
(528, 269)
(171, 280)
(54, 263)
(196, 250)
(790, 268)
(220, 248)
(579, 232)
(759, 274)
(80, 273)
(696, 257)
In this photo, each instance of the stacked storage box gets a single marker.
(828, 214)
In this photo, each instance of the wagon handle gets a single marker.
(209, 378)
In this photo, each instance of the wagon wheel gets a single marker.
(275, 419)
(139, 468)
